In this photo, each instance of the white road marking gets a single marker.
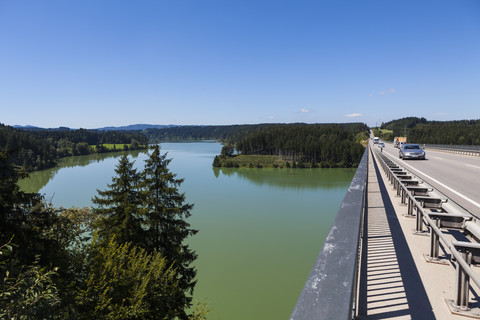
(471, 165)
(446, 187)
(438, 158)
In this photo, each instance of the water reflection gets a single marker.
(297, 179)
(39, 179)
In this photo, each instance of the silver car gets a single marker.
(411, 151)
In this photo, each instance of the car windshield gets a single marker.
(411, 146)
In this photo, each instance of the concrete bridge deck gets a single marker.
(396, 282)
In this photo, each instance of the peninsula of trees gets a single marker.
(278, 145)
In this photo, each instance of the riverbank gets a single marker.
(95, 149)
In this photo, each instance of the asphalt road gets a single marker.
(456, 176)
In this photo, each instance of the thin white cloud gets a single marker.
(388, 91)
(305, 110)
(271, 118)
(353, 115)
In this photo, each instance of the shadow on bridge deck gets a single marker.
(390, 285)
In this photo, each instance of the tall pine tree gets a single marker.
(120, 206)
(22, 215)
(166, 214)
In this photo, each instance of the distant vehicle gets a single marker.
(397, 140)
(411, 151)
(381, 145)
(376, 140)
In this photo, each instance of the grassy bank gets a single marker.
(250, 161)
(108, 147)
(266, 161)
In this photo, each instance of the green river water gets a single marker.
(260, 230)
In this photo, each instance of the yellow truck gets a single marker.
(397, 140)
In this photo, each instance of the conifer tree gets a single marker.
(120, 206)
(22, 215)
(166, 214)
(126, 282)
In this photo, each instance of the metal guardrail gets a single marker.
(330, 290)
(454, 147)
(442, 215)
(466, 150)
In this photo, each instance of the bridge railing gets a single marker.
(453, 147)
(330, 291)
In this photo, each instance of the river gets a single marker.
(260, 230)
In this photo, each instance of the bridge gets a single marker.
(405, 243)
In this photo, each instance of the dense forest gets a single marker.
(306, 145)
(125, 258)
(39, 149)
(222, 133)
(421, 130)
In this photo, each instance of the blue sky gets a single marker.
(94, 63)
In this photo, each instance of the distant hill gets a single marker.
(132, 127)
(140, 127)
(33, 128)
(28, 128)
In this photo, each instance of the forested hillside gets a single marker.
(420, 130)
(39, 149)
(221, 133)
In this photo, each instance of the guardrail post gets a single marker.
(419, 226)
(410, 207)
(463, 282)
(404, 195)
(434, 241)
